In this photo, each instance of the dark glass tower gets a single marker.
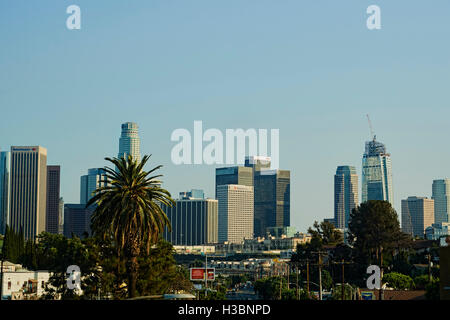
(345, 195)
(234, 175)
(53, 189)
(272, 195)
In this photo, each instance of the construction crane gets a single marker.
(372, 134)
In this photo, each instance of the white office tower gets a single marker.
(28, 192)
(417, 215)
(441, 197)
(129, 142)
(236, 205)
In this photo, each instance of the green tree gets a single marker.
(374, 231)
(421, 281)
(56, 252)
(326, 232)
(398, 281)
(13, 245)
(158, 272)
(337, 292)
(433, 290)
(128, 212)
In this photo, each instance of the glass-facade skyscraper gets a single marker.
(53, 198)
(95, 178)
(5, 176)
(377, 173)
(129, 142)
(272, 193)
(441, 197)
(345, 195)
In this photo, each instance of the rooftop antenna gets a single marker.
(371, 128)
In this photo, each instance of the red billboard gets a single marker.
(198, 274)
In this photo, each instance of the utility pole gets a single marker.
(288, 267)
(298, 292)
(281, 281)
(206, 273)
(342, 263)
(320, 276)
(320, 264)
(307, 276)
(429, 267)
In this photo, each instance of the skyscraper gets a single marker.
(53, 195)
(236, 213)
(234, 175)
(28, 190)
(61, 216)
(129, 142)
(77, 220)
(192, 194)
(5, 185)
(377, 173)
(345, 195)
(194, 221)
(417, 215)
(95, 179)
(271, 195)
(441, 197)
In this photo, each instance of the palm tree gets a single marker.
(128, 212)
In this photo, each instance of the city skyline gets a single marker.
(309, 75)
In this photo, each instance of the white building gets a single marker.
(19, 283)
(28, 190)
(129, 142)
(236, 212)
(417, 215)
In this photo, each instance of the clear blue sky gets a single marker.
(309, 68)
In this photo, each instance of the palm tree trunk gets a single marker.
(133, 267)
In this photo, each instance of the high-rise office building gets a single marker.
(441, 197)
(77, 220)
(194, 222)
(5, 178)
(28, 196)
(129, 142)
(193, 194)
(95, 179)
(236, 213)
(417, 215)
(234, 175)
(61, 216)
(271, 195)
(377, 173)
(53, 196)
(345, 195)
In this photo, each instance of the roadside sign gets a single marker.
(367, 295)
(198, 274)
